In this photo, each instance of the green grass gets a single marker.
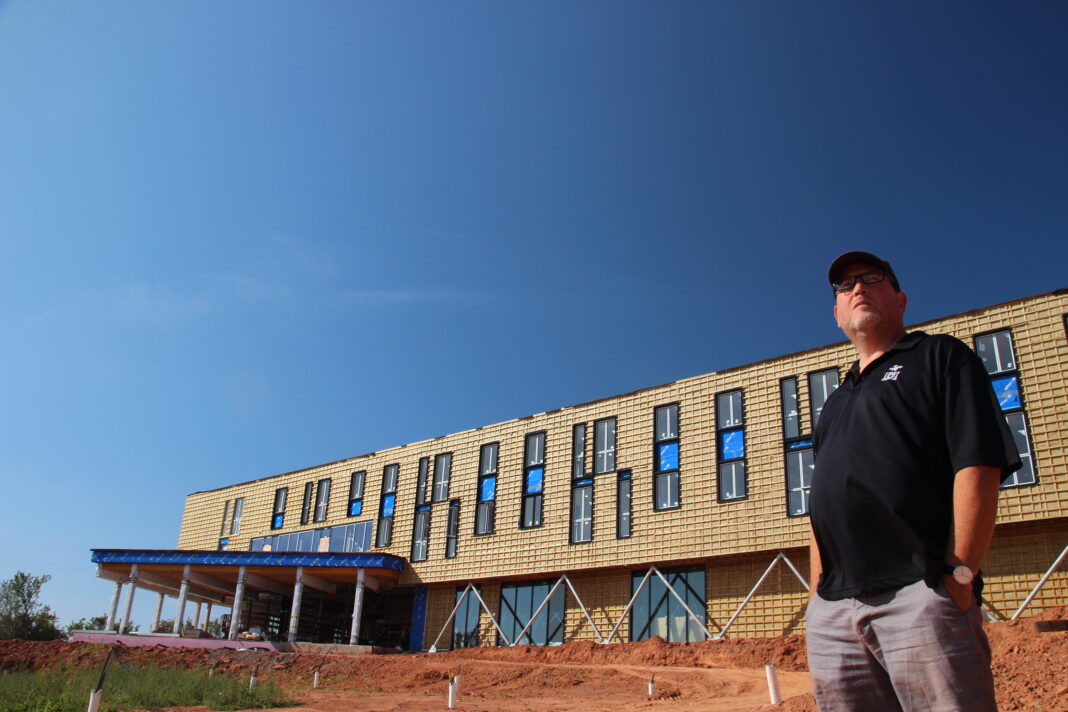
(67, 690)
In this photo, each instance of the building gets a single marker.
(705, 479)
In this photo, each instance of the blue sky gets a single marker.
(242, 238)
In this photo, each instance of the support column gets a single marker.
(125, 623)
(294, 611)
(157, 614)
(196, 619)
(235, 611)
(207, 616)
(113, 611)
(357, 608)
(183, 594)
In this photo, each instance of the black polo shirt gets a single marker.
(887, 446)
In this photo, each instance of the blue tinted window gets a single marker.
(307, 541)
(355, 508)
(276, 522)
(799, 444)
(534, 479)
(489, 489)
(387, 505)
(257, 544)
(1008, 391)
(732, 444)
(667, 456)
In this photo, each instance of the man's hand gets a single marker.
(960, 593)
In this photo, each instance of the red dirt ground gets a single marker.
(1030, 668)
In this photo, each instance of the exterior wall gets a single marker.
(737, 539)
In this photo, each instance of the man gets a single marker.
(909, 454)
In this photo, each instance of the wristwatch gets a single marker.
(961, 574)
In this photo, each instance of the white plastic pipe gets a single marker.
(94, 700)
(252, 683)
(773, 684)
(452, 695)
(315, 682)
(651, 687)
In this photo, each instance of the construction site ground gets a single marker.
(1030, 671)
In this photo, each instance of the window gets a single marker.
(359, 478)
(442, 473)
(420, 483)
(623, 495)
(235, 523)
(604, 446)
(730, 445)
(582, 511)
(465, 622)
(666, 456)
(998, 355)
(797, 450)
(452, 528)
(278, 512)
(421, 533)
(533, 480)
(386, 505)
(519, 601)
(322, 500)
(225, 527)
(578, 451)
(344, 537)
(306, 505)
(821, 385)
(487, 489)
(657, 612)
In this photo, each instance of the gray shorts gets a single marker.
(907, 650)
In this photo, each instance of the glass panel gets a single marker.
(307, 541)
(523, 597)
(639, 613)
(539, 629)
(729, 409)
(556, 617)
(798, 480)
(387, 505)
(442, 474)
(385, 531)
(489, 489)
(791, 421)
(820, 387)
(277, 521)
(732, 445)
(280, 500)
(1026, 474)
(420, 482)
(581, 513)
(732, 480)
(1007, 390)
(578, 451)
(488, 459)
(508, 614)
(996, 352)
(322, 500)
(667, 456)
(535, 475)
(484, 517)
(356, 484)
(389, 478)
(451, 529)
(604, 445)
(623, 509)
(356, 508)
(306, 505)
(667, 490)
(667, 422)
(225, 519)
(535, 449)
(532, 510)
(235, 525)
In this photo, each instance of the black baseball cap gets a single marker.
(847, 258)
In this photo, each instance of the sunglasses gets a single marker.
(846, 284)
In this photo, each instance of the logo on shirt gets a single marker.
(892, 373)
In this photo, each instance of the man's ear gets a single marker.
(902, 300)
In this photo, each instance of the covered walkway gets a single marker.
(262, 588)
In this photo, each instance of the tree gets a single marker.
(94, 623)
(21, 613)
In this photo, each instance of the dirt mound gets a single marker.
(1030, 669)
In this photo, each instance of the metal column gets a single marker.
(125, 623)
(357, 608)
(235, 611)
(294, 611)
(114, 610)
(183, 593)
(196, 621)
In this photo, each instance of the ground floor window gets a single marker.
(519, 601)
(657, 612)
(465, 622)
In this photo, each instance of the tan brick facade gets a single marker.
(736, 540)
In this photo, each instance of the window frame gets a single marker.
(421, 480)
(1012, 371)
(384, 528)
(486, 509)
(452, 529)
(583, 489)
(322, 500)
(306, 503)
(611, 453)
(813, 412)
(235, 516)
(421, 534)
(440, 486)
(624, 477)
(578, 451)
(278, 509)
(731, 462)
(533, 502)
(669, 475)
(356, 493)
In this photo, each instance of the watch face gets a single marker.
(962, 574)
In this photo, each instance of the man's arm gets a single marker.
(975, 507)
(815, 564)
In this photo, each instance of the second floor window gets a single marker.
(998, 354)
(387, 503)
(442, 474)
(533, 480)
(730, 445)
(821, 384)
(322, 500)
(278, 512)
(604, 446)
(666, 456)
(797, 449)
(487, 489)
(421, 533)
(452, 529)
(306, 503)
(359, 479)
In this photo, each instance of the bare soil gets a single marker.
(1030, 672)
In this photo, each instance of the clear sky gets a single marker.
(241, 238)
